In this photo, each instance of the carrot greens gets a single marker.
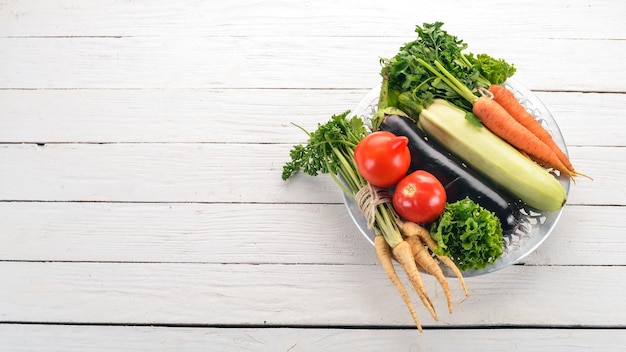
(433, 44)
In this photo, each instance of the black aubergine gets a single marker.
(458, 180)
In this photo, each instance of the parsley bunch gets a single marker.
(433, 44)
(330, 150)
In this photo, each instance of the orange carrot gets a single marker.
(403, 253)
(384, 256)
(507, 100)
(500, 122)
(411, 229)
(425, 260)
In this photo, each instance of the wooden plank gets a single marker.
(210, 172)
(286, 295)
(218, 115)
(275, 62)
(603, 164)
(64, 338)
(181, 232)
(584, 235)
(168, 115)
(156, 172)
(253, 233)
(554, 19)
(579, 121)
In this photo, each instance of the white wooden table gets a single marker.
(141, 205)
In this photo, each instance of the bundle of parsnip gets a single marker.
(330, 150)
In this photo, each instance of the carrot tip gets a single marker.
(576, 173)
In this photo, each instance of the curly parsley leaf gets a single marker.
(433, 44)
(330, 149)
(469, 234)
(494, 70)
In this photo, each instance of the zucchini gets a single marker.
(458, 179)
(497, 160)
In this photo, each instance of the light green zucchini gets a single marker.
(488, 154)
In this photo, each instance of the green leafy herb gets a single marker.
(495, 71)
(469, 234)
(330, 151)
(433, 43)
(407, 72)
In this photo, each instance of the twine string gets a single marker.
(368, 198)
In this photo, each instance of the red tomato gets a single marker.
(383, 158)
(419, 197)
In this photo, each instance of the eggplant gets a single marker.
(458, 179)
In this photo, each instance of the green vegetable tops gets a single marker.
(434, 44)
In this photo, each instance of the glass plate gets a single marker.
(535, 226)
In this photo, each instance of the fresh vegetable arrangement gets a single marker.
(450, 160)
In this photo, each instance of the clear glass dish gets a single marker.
(535, 226)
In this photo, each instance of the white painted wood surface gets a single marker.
(141, 206)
